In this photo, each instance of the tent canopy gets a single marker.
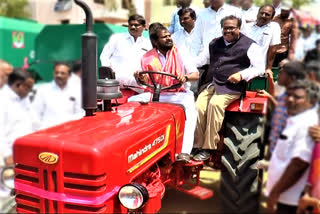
(17, 38)
(305, 19)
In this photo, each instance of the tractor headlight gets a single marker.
(7, 177)
(133, 196)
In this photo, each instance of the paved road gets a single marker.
(177, 202)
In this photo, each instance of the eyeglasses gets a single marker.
(135, 25)
(229, 28)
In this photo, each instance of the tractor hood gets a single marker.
(115, 145)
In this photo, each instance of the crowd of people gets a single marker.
(213, 52)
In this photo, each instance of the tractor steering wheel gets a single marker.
(156, 86)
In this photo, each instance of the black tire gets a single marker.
(240, 184)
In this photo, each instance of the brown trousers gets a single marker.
(211, 109)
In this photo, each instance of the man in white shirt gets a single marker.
(304, 43)
(249, 11)
(206, 3)
(16, 116)
(208, 23)
(234, 59)
(168, 58)
(58, 101)
(184, 37)
(175, 23)
(123, 51)
(289, 165)
(277, 6)
(267, 34)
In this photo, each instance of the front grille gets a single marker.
(27, 174)
(27, 204)
(26, 209)
(89, 185)
(72, 183)
(71, 208)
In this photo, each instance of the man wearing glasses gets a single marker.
(234, 59)
(123, 51)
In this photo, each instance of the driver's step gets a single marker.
(197, 192)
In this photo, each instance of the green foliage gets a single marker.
(298, 3)
(295, 3)
(262, 2)
(14, 8)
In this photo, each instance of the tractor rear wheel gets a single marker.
(243, 141)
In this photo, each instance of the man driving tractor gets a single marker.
(167, 58)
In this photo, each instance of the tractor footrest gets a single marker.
(197, 192)
(194, 163)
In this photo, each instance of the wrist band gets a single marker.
(187, 79)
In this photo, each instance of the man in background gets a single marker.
(58, 101)
(123, 51)
(289, 165)
(267, 35)
(208, 27)
(249, 11)
(16, 114)
(277, 6)
(289, 35)
(175, 22)
(314, 54)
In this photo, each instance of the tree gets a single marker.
(295, 3)
(14, 8)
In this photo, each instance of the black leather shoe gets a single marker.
(195, 151)
(202, 156)
(183, 157)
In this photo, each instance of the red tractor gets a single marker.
(115, 161)
(120, 160)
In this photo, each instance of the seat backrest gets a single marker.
(106, 72)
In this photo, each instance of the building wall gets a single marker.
(43, 12)
(153, 10)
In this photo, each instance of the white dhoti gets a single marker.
(187, 100)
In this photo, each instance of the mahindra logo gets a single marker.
(48, 158)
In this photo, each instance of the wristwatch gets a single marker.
(187, 79)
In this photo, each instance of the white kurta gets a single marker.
(185, 40)
(250, 15)
(16, 120)
(55, 105)
(123, 55)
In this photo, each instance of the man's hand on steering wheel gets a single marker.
(143, 78)
(182, 78)
(149, 80)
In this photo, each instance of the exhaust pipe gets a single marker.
(89, 63)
